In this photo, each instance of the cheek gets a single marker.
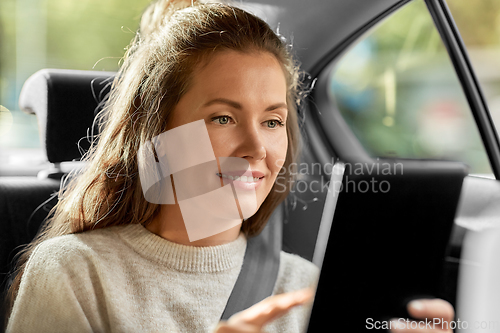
(221, 143)
(277, 155)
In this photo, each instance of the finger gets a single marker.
(406, 326)
(431, 308)
(226, 327)
(271, 308)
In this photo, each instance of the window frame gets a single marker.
(330, 127)
(450, 35)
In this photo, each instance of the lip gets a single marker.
(239, 173)
(240, 184)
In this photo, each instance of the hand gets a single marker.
(253, 319)
(435, 315)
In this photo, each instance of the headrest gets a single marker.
(65, 103)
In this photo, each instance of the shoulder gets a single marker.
(61, 284)
(295, 273)
(73, 248)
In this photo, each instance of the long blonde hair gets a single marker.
(174, 36)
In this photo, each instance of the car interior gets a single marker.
(401, 240)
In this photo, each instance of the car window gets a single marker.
(87, 34)
(479, 26)
(397, 90)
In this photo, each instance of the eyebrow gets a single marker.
(238, 106)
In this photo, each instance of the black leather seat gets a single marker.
(65, 102)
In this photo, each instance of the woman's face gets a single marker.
(242, 99)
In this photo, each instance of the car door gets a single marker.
(420, 147)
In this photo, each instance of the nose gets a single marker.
(251, 144)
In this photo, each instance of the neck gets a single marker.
(168, 224)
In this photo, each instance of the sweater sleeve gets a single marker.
(51, 292)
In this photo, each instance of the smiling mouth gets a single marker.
(240, 178)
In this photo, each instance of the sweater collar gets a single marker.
(184, 257)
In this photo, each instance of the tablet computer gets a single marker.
(382, 242)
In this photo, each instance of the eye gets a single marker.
(274, 123)
(221, 120)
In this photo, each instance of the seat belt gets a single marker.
(259, 271)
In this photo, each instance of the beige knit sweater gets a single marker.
(127, 279)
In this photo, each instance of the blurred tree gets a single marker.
(85, 32)
(478, 21)
(36, 34)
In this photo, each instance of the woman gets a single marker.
(109, 260)
(110, 270)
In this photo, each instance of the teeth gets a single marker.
(246, 179)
